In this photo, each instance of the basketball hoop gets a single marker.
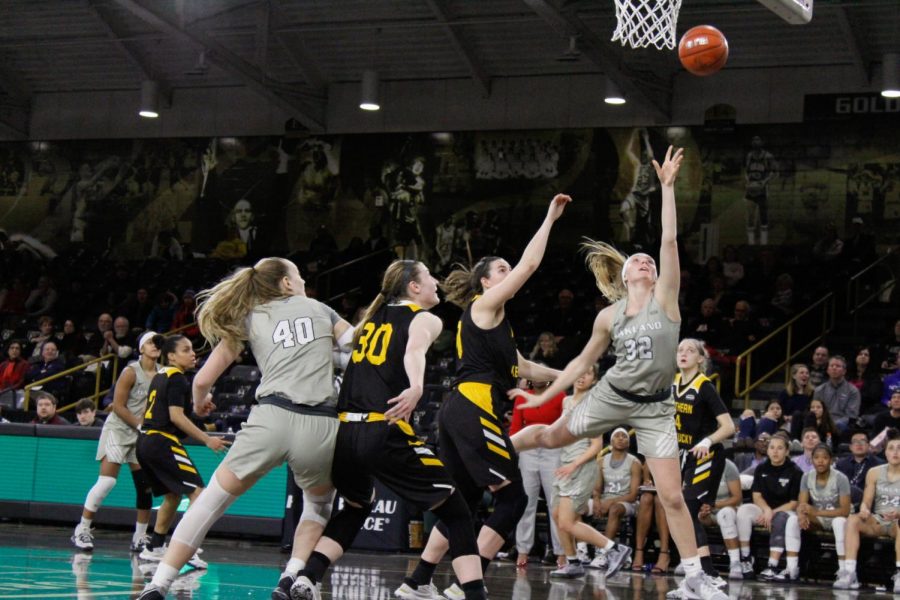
(644, 23)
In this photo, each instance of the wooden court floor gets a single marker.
(39, 562)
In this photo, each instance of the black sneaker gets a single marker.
(283, 590)
(151, 592)
(747, 568)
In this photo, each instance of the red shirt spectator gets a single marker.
(14, 369)
(545, 414)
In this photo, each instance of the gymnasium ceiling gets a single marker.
(289, 51)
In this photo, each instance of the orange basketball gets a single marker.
(703, 50)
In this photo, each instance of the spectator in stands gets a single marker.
(538, 468)
(13, 297)
(185, 314)
(783, 300)
(137, 307)
(809, 440)
(795, 398)
(732, 268)
(776, 488)
(818, 368)
(724, 514)
(86, 413)
(890, 350)
(119, 340)
(859, 462)
(42, 298)
(71, 344)
(160, 318)
(747, 462)
(708, 325)
(742, 331)
(838, 395)
(819, 417)
(867, 381)
(564, 318)
(546, 352)
(44, 333)
(719, 292)
(877, 516)
(649, 507)
(45, 407)
(96, 340)
(771, 421)
(49, 365)
(14, 368)
(889, 418)
(824, 501)
(890, 385)
(616, 490)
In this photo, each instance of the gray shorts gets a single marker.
(654, 423)
(577, 487)
(273, 436)
(117, 446)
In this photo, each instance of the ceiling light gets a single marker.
(890, 78)
(613, 93)
(149, 99)
(369, 98)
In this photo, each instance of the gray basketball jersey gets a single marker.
(827, 497)
(729, 474)
(887, 493)
(292, 340)
(572, 451)
(137, 397)
(616, 480)
(645, 346)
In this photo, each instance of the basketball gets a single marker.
(703, 50)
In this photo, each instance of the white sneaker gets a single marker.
(188, 582)
(83, 538)
(717, 581)
(896, 578)
(569, 571)
(196, 562)
(679, 570)
(768, 574)
(618, 557)
(735, 571)
(424, 592)
(788, 575)
(305, 589)
(581, 553)
(846, 580)
(699, 587)
(153, 554)
(138, 543)
(599, 561)
(454, 592)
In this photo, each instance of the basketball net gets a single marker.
(644, 23)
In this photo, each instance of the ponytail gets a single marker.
(394, 284)
(463, 284)
(606, 263)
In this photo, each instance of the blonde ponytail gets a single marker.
(394, 286)
(606, 263)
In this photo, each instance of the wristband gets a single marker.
(705, 443)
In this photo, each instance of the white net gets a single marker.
(644, 23)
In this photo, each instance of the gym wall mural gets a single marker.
(447, 196)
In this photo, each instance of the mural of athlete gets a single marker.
(635, 208)
(759, 169)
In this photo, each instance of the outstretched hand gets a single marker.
(531, 400)
(557, 205)
(204, 408)
(403, 405)
(668, 171)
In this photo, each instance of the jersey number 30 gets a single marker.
(373, 343)
(641, 347)
(302, 332)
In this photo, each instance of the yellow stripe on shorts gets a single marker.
(177, 450)
(478, 394)
(432, 462)
(187, 468)
(498, 450)
(490, 426)
(701, 477)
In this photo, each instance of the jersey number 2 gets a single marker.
(641, 348)
(151, 400)
(373, 343)
(301, 334)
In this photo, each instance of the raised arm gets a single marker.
(423, 330)
(493, 299)
(669, 268)
(534, 371)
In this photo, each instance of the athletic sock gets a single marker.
(474, 590)
(609, 545)
(140, 530)
(851, 566)
(734, 555)
(315, 567)
(793, 562)
(842, 565)
(691, 565)
(293, 567)
(86, 523)
(156, 540)
(421, 575)
(572, 559)
(164, 576)
(745, 553)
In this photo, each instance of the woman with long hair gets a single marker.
(546, 351)
(866, 378)
(118, 444)
(795, 397)
(382, 386)
(819, 417)
(294, 420)
(472, 442)
(642, 324)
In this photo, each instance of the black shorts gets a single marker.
(393, 454)
(471, 441)
(167, 465)
(701, 478)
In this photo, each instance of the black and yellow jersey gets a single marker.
(168, 388)
(486, 355)
(376, 372)
(697, 404)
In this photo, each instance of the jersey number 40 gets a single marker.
(302, 332)
(373, 343)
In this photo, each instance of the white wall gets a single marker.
(770, 95)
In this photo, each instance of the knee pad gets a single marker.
(346, 524)
(839, 526)
(776, 535)
(203, 512)
(727, 519)
(143, 497)
(509, 506)
(99, 492)
(317, 508)
(456, 525)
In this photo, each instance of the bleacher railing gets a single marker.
(325, 278)
(862, 289)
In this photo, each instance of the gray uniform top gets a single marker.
(827, 497)
(887, 493)
(574, 450)
(137, 398)
(645, 346)
(616, 479)
(729, 474)
(292, 339)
